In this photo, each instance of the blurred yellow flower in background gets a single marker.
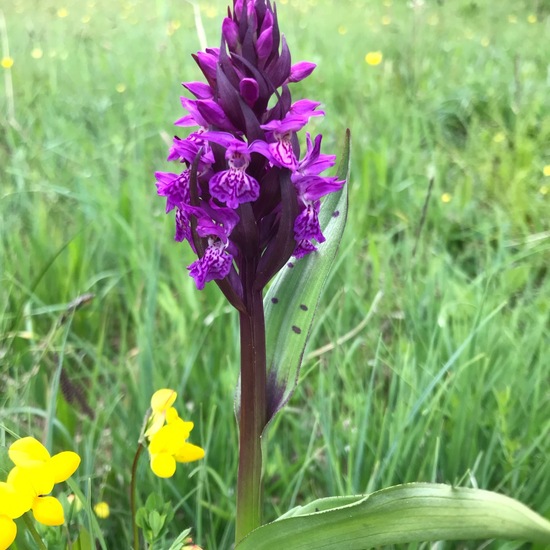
(532, 18)
(102, 510)
(374, 58)
(546, 170)
(446, 197)
(7, 62)
(62, 12)
(37, 53)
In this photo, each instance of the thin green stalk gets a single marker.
(29, 524)
(252, 412)
(133, 496)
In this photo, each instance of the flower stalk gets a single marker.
(133, 507)
(252, 410)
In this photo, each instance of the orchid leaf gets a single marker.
(416, 512)
(293, 297)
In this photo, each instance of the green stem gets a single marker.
(133, 495)
(29, 524)
(252, 412)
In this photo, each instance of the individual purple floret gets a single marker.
(244, 199)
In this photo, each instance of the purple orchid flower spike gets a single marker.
(245, 157)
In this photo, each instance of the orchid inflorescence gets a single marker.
(244, 200)
(29, 485)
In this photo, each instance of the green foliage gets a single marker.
(154, 517)
(375, 406)
(293, 297)
(401, 514)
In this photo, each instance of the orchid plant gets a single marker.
(248, 203)
(251, 198)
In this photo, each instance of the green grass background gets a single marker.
(462, 95)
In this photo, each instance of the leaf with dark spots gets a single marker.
(293, 288)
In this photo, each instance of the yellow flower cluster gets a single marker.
(167, 434)
(29, 483)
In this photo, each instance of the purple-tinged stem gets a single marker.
(252, 412)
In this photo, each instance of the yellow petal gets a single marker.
(163, 465)
(163, 399)
(39, 478)
(48, 510)
(171, 415)
(8, 530)
(27, 451)
(189, 453)
(63, 465)
(155, 423)
(170, 437)
(12, 503)
(24, 491)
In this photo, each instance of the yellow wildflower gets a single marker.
(446, 197)
(168, 446)
(7, 62)
(373, 58)
(161, 403)
(102, 510)
(532, 18)
(546, 170)
(13, 504)
(36, 473)
(37, 53)
(62, 12)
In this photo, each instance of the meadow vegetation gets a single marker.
(429, 358)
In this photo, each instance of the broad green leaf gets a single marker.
(293, 297)
(414, 512)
